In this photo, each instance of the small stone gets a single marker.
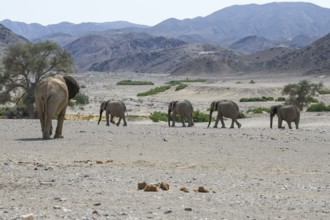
(142, 185)
(151, 188)
(184, 189)
(188, 209)
(201, 189)
(29, 216)
(168, 212)
(97, 204)
(164, 186)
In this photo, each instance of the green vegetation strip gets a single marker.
(154, 91)
(134, 83)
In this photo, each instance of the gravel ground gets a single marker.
(93, 172)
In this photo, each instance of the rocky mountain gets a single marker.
(279, 22)
(93, 52)
(252, 44)
(7, 37)
(37, 31)
(273, 21)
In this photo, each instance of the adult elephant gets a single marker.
(51, 97)
(114, 109)
(288, 113)
(228, 109)
(184, 109)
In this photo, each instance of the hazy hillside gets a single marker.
(38, 31)
(93, 50)
(252, 44)
(273, 21)
(7, 37)
(312, 59)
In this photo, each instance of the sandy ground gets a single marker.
(93, 173)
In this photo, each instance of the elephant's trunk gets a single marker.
(169, 117)
(101, 111)
(211, 111)
(271, 120)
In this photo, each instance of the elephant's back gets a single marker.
(117, 108)
(52, 86)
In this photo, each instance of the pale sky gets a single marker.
(147, 12)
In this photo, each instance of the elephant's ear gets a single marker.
(174, 104)
(72, 85)
(274, 109)
(216, 105)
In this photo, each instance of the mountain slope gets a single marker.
(273, 21)
(7, 37)
(34, 30)
(92, 50)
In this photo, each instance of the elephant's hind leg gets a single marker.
(297, 124)
(238, 124)
(124, 119)
(232, 123)
(289, 124)
(59, 127)
(118, 123)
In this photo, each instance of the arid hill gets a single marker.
(7, 37)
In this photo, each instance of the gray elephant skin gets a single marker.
(288, 113)
(51, 98)
(227, 109)
(183, 109)
(114, 109)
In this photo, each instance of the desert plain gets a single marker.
(93, 172)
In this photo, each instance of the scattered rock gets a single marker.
(188, 209)
(164, 186)
(184, 189)
(29, 216)
(151, 188)
(142, 185)
(201, 189)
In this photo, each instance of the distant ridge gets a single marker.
(7, 37)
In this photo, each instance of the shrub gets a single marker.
(154, 91)
(324, 91)
(259, 110)
(162, 116)
(252, 81)
(130, 82)
(158, 116)
(175, 82)
(81, 99)
(242, 115)
(280, 99)
(257, 99)
(180, 86)
(318, 107)
(200, 116)
(301, 94)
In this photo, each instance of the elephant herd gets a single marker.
(53, 93)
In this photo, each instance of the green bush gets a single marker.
(154, 91)
(175, 82)
(180, 86)
(257, 99)
(134, 83)
(81, 99)
(324, 91)
(318, 107)
(259, 110)
(200, 116)
(242, 115)
(252, 81)
(280, 99)
(158, 116)
(163, 116)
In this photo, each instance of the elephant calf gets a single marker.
(114, 109)
(184, 109)
(228, 109)
(288, 113)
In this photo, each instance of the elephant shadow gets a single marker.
(29, 139)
